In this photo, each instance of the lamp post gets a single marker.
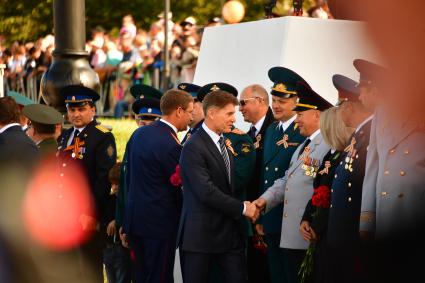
(166, 53)
(70, 64)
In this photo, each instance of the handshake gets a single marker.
(253, 209)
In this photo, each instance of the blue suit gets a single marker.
(192, 131)
(276, 161)
(154, 204)
(344, 213)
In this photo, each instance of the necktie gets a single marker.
(225, 156)
(251, 132)
(76, 133)
(306, 143)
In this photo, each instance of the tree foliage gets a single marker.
(26, 20)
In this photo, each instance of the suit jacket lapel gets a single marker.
(216, 153)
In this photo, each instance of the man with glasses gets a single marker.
(254, 106)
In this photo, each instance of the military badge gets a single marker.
(283, 141)
(257, 142)
(110, 151)
(351, 154)
(76, 148)
(326, 169)
(310, 165)
(245, 148)
(229, 146)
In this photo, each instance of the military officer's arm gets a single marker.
(106, 156)
(275, 194)
(368, 206)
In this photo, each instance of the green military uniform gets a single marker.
(48, 116)
(47, 146)
(243, 150)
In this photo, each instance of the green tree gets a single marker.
(27, 20)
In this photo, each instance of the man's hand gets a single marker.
(260, 229)
(260, 203)
(110, 229)
(251, 211)
(306, 231)
(123, 237)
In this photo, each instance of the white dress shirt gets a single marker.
(169, 124)
(9, 126)
(285, 125)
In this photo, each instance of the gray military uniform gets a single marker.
(393, 188)
(295, 190)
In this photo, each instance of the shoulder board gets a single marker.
(238, 132)
(102, 129)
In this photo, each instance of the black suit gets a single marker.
(209, 229)
(257, 262)
(17, 149)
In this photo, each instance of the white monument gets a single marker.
(241, 54)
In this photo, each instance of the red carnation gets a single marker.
(175, 179)
(322, 197)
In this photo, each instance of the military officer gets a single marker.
(198, 113)
(146, 109)
(296, 187)
(281, 140)
(346, 190)
(22, 101)
(93, 147)
(42, 127)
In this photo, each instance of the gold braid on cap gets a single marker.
(282, 88)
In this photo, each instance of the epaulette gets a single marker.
(102, 129)
(238, 132)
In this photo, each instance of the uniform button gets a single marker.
(267, 168)
(331, 206)
(349, 199)
(60, 196)
(332, 190)
(336, 176)
(402, 173)
(406, 151)
(290, 176)
(61, 174)
(340, 163)
(265, 182)
(286, 189)
(401, 195)
(64, 164)
(386, 172)
(285, 215)
(275, 169)
(383, 194)
(392, 150)
(349, 185)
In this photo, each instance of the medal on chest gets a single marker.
(77, 149)
(310, 165)
(229, 146)
(257, 142)
(351, 154)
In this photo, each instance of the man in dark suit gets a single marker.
(254, 106)
(209, 229)
(16, 148)
(154, 201)
(91, 147)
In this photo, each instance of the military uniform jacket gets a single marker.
(346, 193)
(279, 146)
(47, 147)
(96, 153)
(295, 190)
(393, 187)
(242, 148)
(255, 182)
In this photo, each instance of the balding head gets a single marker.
(254, 103)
